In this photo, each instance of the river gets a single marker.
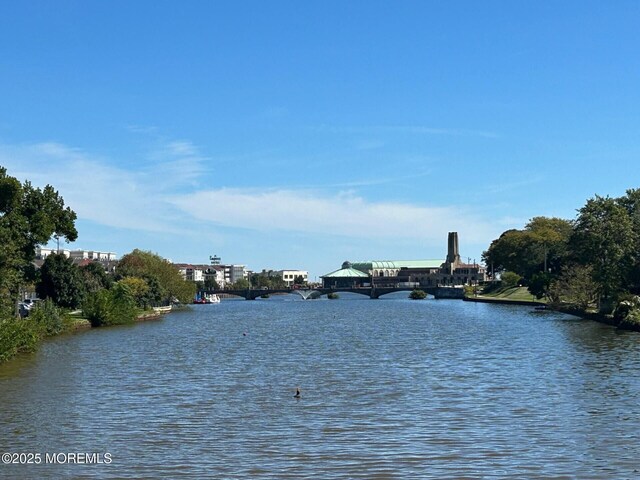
(390, 388)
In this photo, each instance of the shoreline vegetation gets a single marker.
(589, 267)
(71, 297)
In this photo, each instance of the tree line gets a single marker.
(590, 262)
(29, 217)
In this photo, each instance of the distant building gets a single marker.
(346, 277)
(216, 272)
(76, 255)
(44, 252)
(427, 273)
(235, 272)
(192, 273)
(289, 276)
(201, 273)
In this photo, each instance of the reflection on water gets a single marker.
(390, 389)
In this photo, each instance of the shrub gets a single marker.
(96, 308)
(417, 295)
(47, 317)
(627, 309)
(17, 336)
(469, 290)
(510, 279)
(123, 305)
(631, 321)
(110, 307)
(333, 296)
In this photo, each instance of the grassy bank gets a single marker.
(521, 295)
(516, 294)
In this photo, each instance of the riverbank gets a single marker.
(503, 301)
(509, 295)
(569, 310)
(23, 335)
(597, 317)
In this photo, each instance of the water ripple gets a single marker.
(390, 389)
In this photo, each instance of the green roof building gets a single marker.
(392, 268)
(449, 271)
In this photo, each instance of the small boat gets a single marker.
(165, 309)
(213, 298)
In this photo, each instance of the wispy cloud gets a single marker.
(365, 181)
(407, 129)
(95, 190)
(178, 162)
(140, 199)
(345, 215)
(511, 185)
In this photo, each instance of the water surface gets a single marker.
(391, 388)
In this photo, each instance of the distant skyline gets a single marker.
(298, 135)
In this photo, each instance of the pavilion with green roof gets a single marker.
(346, 277)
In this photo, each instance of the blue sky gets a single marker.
(300, 134)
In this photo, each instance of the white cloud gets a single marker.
(345, 214)
(408, 129)
(148, 200)
(182, 149)
(94, 190)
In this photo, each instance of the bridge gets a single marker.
(371, 292)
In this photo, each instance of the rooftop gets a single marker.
(345, 273)
(396, 264)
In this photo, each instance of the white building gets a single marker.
(217, 273)
(92, 255)
(76, 255)
(289, 276)
(233, 273)
(44, 252)
(200, 273)
(193, 273)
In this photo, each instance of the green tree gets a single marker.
(210, 283)
(539, 284)
(631, 203)
(60, 281)
(139, 290)
(549, 238)
(94, 277)
(110, 307)
(540, 246)
(603, 238)
(29, 217)
(574, 286)
(122, 304)
(146, 264)
(241, 284)
(154, 294)
(510, 279)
